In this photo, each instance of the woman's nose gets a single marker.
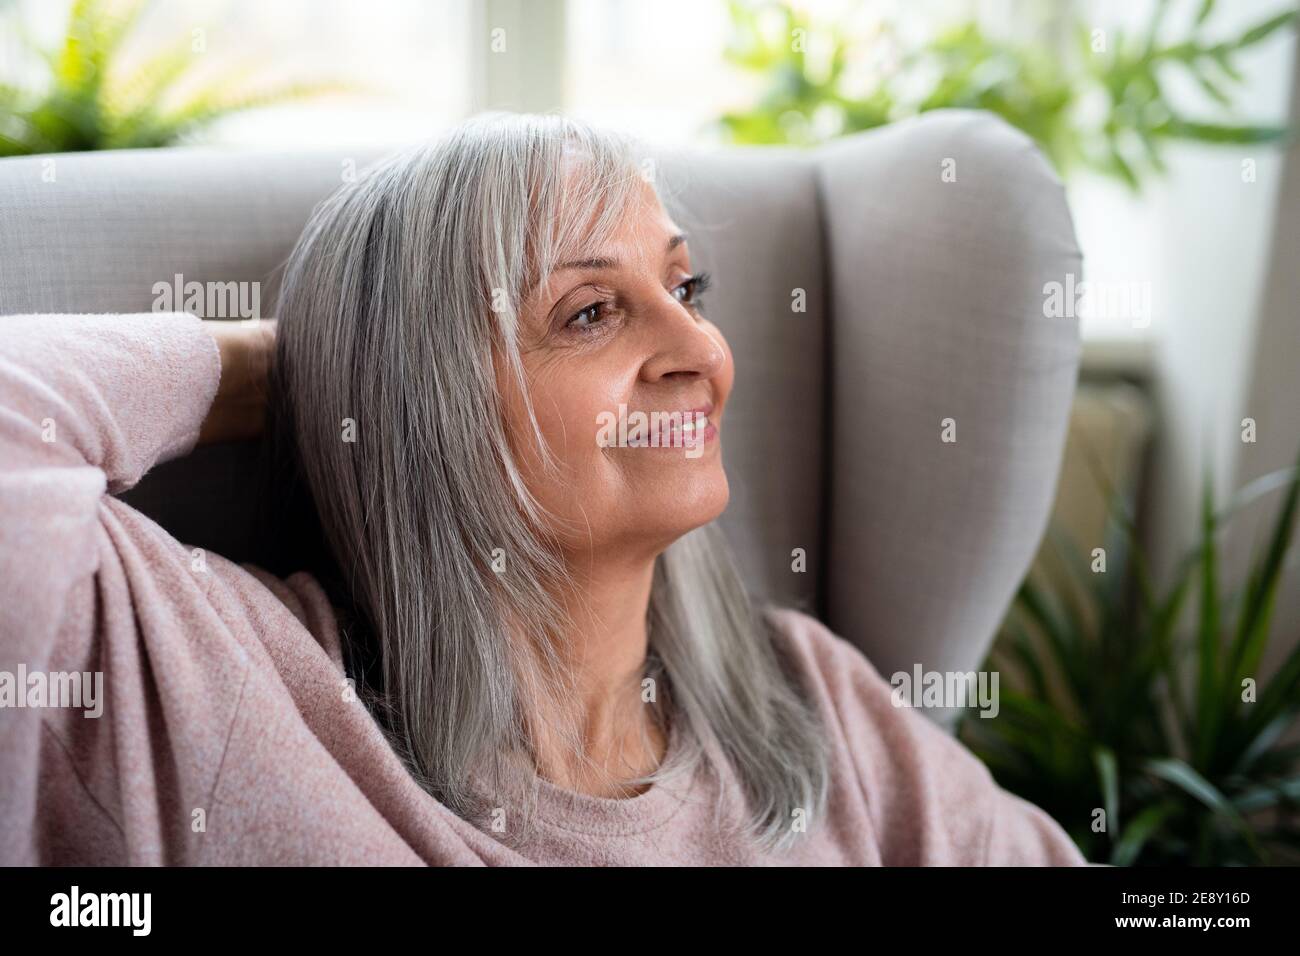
(681, 344)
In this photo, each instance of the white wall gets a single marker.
(1201, 237)
(1272, 398)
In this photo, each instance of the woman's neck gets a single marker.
(605, 652)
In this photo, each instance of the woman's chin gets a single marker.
(692, 503)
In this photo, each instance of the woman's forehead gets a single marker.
(621, 220)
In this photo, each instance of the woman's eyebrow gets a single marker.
(600, 263)
(606, 263)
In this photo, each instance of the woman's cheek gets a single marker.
(571, 407)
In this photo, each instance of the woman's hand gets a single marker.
(238, 413)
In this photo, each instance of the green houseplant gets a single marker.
(92, 98)
(1105, 104)
(1162, 726)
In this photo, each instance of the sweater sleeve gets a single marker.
(88, 404)
(929, 799)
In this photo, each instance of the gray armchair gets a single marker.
(870, 290)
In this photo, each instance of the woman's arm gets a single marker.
(88, 404)
(112, 393)
(238, 411)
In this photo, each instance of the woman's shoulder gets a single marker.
(886, 734)
(820, 652)
(931, 799)
(850, 693)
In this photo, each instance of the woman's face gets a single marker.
(620, 334)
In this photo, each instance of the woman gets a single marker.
(532, 649)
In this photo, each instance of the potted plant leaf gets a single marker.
(1142, 724)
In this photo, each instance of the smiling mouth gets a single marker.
(688, 430)
(691, 428)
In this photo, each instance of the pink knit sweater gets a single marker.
(228, 734)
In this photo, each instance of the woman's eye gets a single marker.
(689, 292)
(585, 318)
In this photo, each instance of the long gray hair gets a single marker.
(397, 306)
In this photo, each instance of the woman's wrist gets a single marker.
(238, 411)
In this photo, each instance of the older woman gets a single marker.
(535, 647)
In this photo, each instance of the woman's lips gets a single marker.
(693, 428)
(687, 428)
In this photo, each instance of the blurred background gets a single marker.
(1172, 125)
